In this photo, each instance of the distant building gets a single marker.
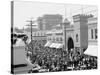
(40, 23)
(48, 21)
(39, 35)
(27, 31)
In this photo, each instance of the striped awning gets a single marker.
(52, 45)
(48, 43)
(59, 45)
(92, 50)
(56, 45)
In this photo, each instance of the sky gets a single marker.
(25, 10)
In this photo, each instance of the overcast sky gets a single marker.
(24, 10)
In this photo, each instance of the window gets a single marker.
(34, 34)
(57, 39)
(91, 33)
(61, 39)
(50, 39)
(53, 39)
(41, 34)
(38, 34)
(95, 33)
(76, 37)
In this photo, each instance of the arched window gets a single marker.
(61, 39)
(96, 34)
(91, 33)
(34, 34)
(38, 34)
(41, 34)
(53, 39)
(49, 38)
(57, 39)
(76, 37)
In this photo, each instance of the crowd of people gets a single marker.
(53, 59)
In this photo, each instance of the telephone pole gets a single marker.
(31, 25)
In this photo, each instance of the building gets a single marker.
(27, 31)
(82, 34)
(40, 23)
(79, 35)
(48, 21)
(92, 30)
(39, 35)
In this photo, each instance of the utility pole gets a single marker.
(31, 25)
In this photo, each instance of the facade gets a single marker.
(92, 30)
(39, 35)
(55, 36)
(82, 33)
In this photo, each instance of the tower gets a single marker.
(81, 30)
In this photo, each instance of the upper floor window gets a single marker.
(91, 33)
(41, 34)
(34, 34)
(96, 34)
(38, 34)
(49, 38)
(61, 39)
(53, 39)
(56, 39)
(76, 37)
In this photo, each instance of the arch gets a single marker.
(70, 43)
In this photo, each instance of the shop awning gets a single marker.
(56, 45)
(48, 44)
(92, 50)
(52, 45)
(28, 41)
(59, 45)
